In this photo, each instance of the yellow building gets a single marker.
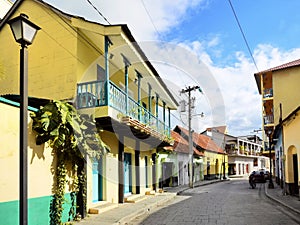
(103, 72)
(214, 163)
(280, 101)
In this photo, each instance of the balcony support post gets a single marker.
(107, 43)
(127, 64)
(139, 77)
(154, 186)
(126, 88)
(149, 101)
(169, 121)
(156, 110)
(164, 115)
(121, 168)
(164, 111)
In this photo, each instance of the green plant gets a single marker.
(72, 137)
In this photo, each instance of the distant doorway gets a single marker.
(295, 168)
(97, 181)
(127, 174)
(167, 173)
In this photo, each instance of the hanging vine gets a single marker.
(72, 137)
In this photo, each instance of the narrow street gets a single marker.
(227, 203)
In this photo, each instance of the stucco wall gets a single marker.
(41, 169)
(40, 159)
(291, 146)
(286, 91)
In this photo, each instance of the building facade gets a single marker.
(244, 152)
(214, 163)
(245, 155)
(103, 72)
(280, 101)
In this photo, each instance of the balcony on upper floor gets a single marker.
(268, 93)
(128, 111)
(269, 120)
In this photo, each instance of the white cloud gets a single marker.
(163, 14)
(268, 56)
(238, 86)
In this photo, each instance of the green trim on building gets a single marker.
(17, 104)
(38, 211)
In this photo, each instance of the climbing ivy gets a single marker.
(72, 137)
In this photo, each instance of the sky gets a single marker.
(207, 30)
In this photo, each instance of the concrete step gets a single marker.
(101, 207)
(150, 193)
(134, 198)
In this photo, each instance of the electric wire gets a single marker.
(83, 38)
(178, 118)
(243, 34)
(151, 20)
(98, 11)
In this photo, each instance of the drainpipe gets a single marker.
(283, 155)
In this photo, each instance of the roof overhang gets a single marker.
(124, 44)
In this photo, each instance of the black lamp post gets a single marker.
(269, 132)
(24, 32)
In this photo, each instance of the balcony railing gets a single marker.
(268, 93)
(268, 120)
(94, 94)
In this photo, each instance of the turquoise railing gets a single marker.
(268, 93)
(90, 94)
(94, 94)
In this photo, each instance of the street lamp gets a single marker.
(269, 133)
(24, 32)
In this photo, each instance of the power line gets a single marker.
(244, 37)
(151, 20)
(98, 11)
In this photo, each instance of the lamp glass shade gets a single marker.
(23, 30)
(29, 32)
(16, 28)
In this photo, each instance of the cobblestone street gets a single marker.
(226, 203)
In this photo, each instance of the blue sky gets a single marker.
(273, 22)
(208, 29)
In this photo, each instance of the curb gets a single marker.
(143, 211)
(148, 208)
(280, 202)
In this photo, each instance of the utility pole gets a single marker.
(191, 171)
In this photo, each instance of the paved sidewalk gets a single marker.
(288, 201)
(127, 211)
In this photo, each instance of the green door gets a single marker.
(127, 173)
(97, 181)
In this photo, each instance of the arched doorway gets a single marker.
(292, 173)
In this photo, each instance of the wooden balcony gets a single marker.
(99, 94)
(268, 93)
(269, 120)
